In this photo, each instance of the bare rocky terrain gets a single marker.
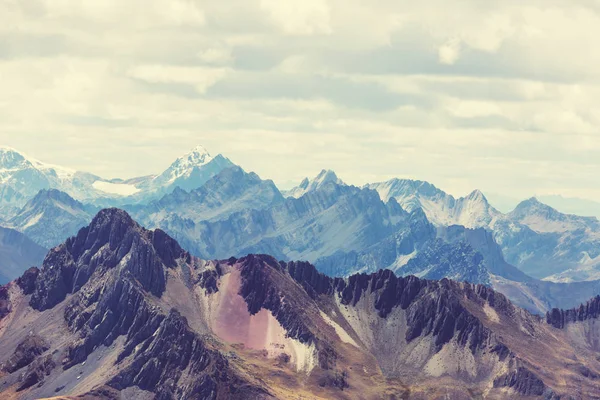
(121, 312)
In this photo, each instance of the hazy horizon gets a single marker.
(497, 97)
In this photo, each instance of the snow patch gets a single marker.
(121, 189)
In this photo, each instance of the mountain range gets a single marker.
(217, 210)
(255, 327)
(534, 237)
(22, 177)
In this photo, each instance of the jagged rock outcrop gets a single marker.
(174, 350)
(113, 269)
(25, 353)
(36, 372)
(433, 307)
(523, 382)
(124, 310)
(112, 238)
(560, 318)
(4, 301)
(27, 281)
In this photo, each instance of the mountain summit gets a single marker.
(187, 172)
(196, 158)
(22, 177)
(123, 312)
(309, 185)
(442, 209)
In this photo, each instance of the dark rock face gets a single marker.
(113, 268)
(166, 346)
(266, 284)
(112, 238)
(522, 381)
(36, 372)
(260, 289)
(433, 307)
(336, 379)
(441, 315)
(26, 352)
(159, 364)
(560, 318)
(118, 308)
(4, 302)
(27, 281)
(209, 279)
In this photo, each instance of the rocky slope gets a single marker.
(343, 230)
(231, 190)
(17, 253)
(442, 209)
(548, 244)
(51, 217)
(122, 311)
(534, 237)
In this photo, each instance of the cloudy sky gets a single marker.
(501, 96)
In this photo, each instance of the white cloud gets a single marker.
(216, 55)
(504, 96)
(299, 17)
(200, 77)
(449, 52)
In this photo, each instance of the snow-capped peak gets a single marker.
(10, 158)
(15, 162)
(196, 158)
(326, 176)
(477, 195)
(309, 185)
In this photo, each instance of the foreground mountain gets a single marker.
(258, 328)
(51, 217)
(17, 253)
(536, 238)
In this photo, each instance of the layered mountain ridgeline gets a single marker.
(17, 253)
(343, 230)
(538, 239)
(120, 310)
(95, 305)
(22, 177)
(230, 191)
(340, 228)
(51, 217)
